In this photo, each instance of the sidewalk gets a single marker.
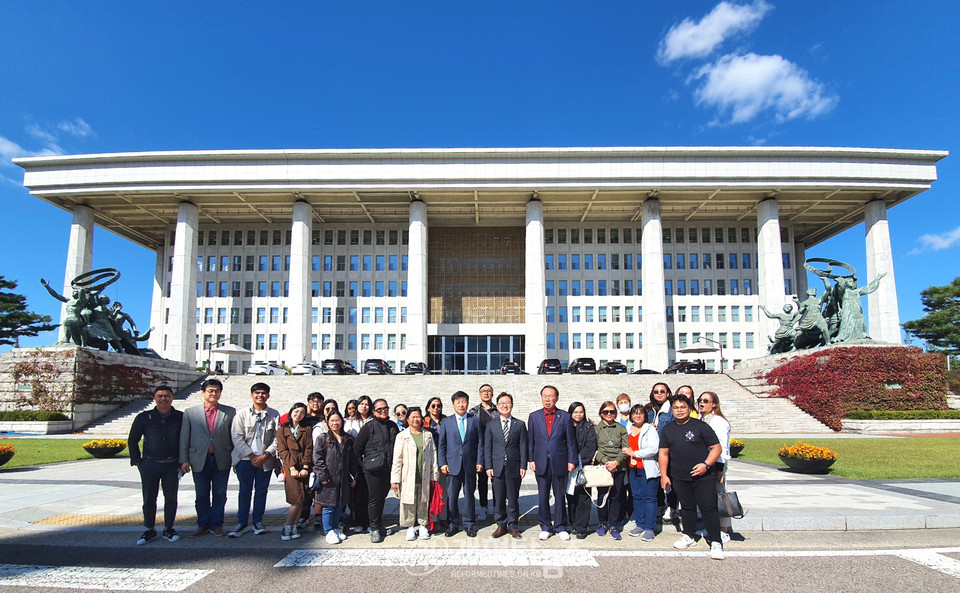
(104, 496)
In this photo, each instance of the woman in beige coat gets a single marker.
(414, 471)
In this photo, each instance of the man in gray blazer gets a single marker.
(205, 448)
(505, 457)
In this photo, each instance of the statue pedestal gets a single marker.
(82, 383)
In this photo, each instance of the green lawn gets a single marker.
(873, 459)
(37, 451)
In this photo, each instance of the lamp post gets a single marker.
(720, 344)
(210, 348)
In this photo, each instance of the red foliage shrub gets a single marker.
(829, 383)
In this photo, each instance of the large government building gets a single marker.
(466, 258)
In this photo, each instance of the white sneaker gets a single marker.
(716, 551)
(411, 534)
(684, 542)
(564, 536)
(258, 529)
(332, 538)
(239, 530)
(295, 532)
(545, 535)
(668, 514)
(424, 532)
(482, 515)
(285, 535)
(340, 535)
(724, 537)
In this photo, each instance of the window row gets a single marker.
(600, 236)
(284, 237)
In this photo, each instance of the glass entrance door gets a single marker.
(478, 355)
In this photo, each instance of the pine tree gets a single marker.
(15, 320)
(940, 327)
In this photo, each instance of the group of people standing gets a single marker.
(659, 455)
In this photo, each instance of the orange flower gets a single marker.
(801, 450)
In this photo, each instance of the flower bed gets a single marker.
(7, 451)
(806, 458)
(102, 448)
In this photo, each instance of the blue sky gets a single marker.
(110, 77)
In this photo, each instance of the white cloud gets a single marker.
(40, 134)
(697, 40)
(10, 149)
(77, 127)
(937, 242)
(742, 86)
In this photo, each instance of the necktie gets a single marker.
(463, 428)
(506, 429)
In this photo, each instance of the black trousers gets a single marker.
(153, 475)
(578, 509)
(466, 480)
(482, 483)
(506, 498)
(700, 493)
(611, 514)
(378, 486)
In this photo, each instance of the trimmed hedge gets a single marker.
(25, 416)
(904, 415)
(829, 383)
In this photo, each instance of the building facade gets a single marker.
(467, 258)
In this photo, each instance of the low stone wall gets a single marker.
(900, 426)
(84, 384)
(52, 427)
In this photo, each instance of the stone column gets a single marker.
(299, 320)
(655, 354)
(800, 256)
(156, 302)
(884, 322)
(535, 298)
(79, 255)
(416, 327)
(181, 332)
(769, 266)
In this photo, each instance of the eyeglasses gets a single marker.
(704, 401)
(660, 391)
(401, 413)
(380, 409)
(436, 406)
(608, 412)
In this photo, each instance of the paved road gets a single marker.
(921, 560)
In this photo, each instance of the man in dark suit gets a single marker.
(460, 457)
(505, 457)
(553, 455)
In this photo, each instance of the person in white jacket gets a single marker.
(709, 405)
(644, 472)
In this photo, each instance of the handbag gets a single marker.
(575, 479)
(375, 462)
(728, 503)
(597, 476)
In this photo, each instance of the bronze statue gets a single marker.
(90, 321)
(812, 327)
(782, 341)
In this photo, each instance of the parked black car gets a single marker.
(511, 368)
(335, 366)
(376, 366)
(685, 367)
(582, 366)
(613, 367)
(416, 368)
(646, 372)
(550, 365)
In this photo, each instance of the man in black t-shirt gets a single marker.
(689, 447)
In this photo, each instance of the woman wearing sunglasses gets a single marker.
(611, 440)
(710, 413)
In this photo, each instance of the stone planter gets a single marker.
(735, 450)
(807, 466)
(104, 452)
(5, 457)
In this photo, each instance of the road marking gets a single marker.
(930, 559)
(434, 558)
(778, 553)
(89, 577)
